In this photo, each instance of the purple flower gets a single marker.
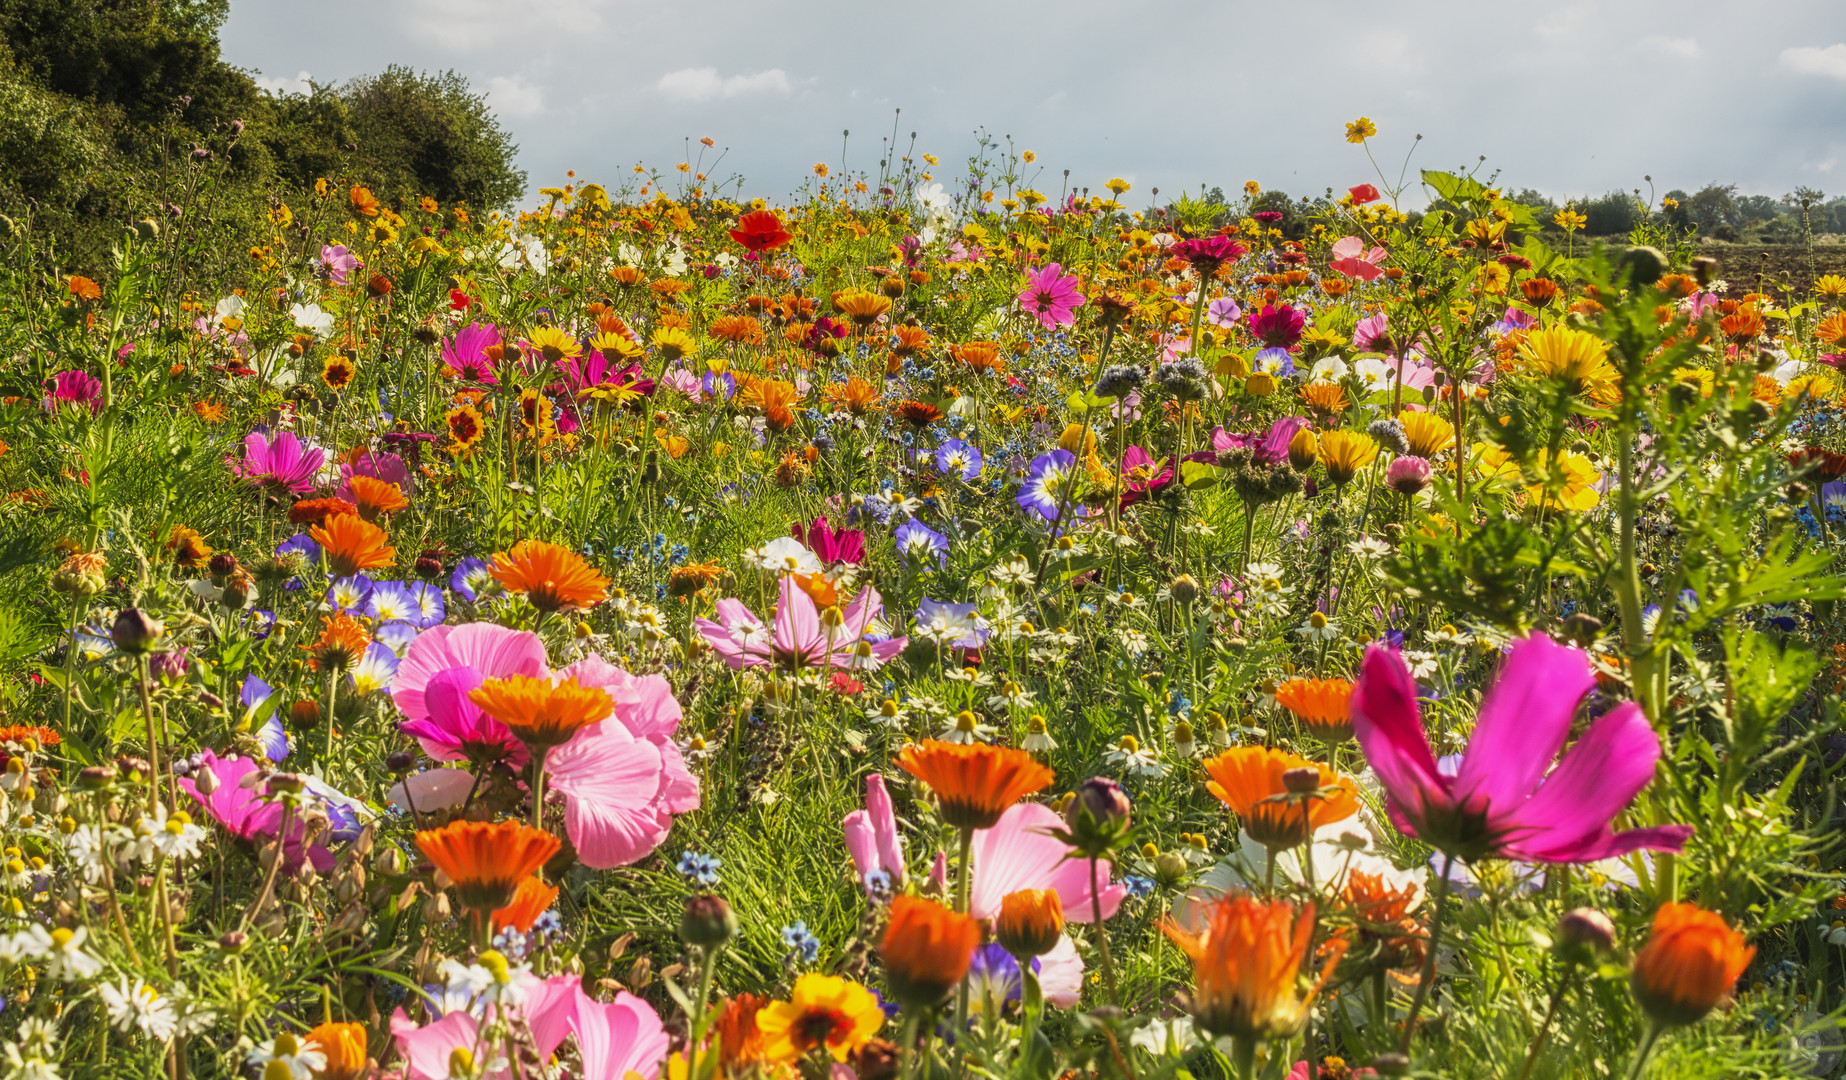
(960, 624)
(1267, 448)
(470, 574)
(957, 458)
(1223, 313)
(353, 594)
(254, 695)
(283, 463)
(918, 541)
(1045, 483)
(1051, 297)
(1505, 800)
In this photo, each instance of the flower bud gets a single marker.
(707, 922)
(207, 782)
(221, 566)
(135, 631)
(1030, 923)
(1408, 475)
(1586, 929)
(234, 942)
(1302, 781)
(1184, 589)
(1170, 869)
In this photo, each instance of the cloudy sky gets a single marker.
(1582, 96)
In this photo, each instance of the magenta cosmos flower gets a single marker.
(830, 545)
(75, 388)
(798, 639)
(1208, 253)
(466, 353)
(283, 462)
(1051, 297)
(1506, 801)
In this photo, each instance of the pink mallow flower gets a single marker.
(798, 639)
(338, 262)
(387, 467)
(284, 462)
(1352, 258)
(1051, 297)
(1505, 800)
(1018, 853)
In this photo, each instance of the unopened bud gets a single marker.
(1302, 781)
(1586, 928)
(135, 631)
(707, 921)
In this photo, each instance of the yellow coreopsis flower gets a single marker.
(1569, 220)
(1344, 453)
(1360, 130)
(554, 343)
(674, 343)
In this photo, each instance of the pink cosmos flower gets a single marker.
(622, 1038)
(1142, 475)
(1352, 258)
(1501, 803)
(1208, 253)
(338, 261)
(1278, 325)
(1373, 334)
(440, 715)
(283, 462)
(798, 639)
(685, 382)
(550, 1011)
(76, 388)
(466, 353)
(1051, 297)
(872, 837)
(241, 809)
(645, 705)
(1223, 313)
(1019, 854)
(387, 467)
(613, 785)
(843, 546)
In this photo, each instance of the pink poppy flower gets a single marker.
(1352, 258)
(872, 838)
(1018, 854)
(466, 353)
(798, 640)
(283, 463)
(1505, 800)
(1051, 297)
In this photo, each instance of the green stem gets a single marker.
(1429, 962)
(326, 757)
(143, 683)
(1102, 934)
(1243, 1057)
(1544, 1029)
(1646, 1048)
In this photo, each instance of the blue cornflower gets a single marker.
(802, 943)
(1138, 886)
(700, 867)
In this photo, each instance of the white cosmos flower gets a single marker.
(311, 318)
(785, 554)
(231, 307)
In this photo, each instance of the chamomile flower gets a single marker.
(1131, 757)
(1134, 642)
(1038, 740)
(966, 728)
(301, 1061)
(887, 713)
(1448, 635)
(1319, 628)
(1011, 696)
(137, 1006)
(62, 952)
(1015, 572)
(1369, 548)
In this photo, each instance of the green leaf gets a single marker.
(1198, 475)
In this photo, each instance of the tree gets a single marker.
(421, 134)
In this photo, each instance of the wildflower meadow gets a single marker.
(963, 620)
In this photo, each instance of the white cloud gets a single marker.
(705, 84)
(279, 85)
(474, 25)
(1829, 62)
(1565, 23)
(1684, 48)
(513, 96)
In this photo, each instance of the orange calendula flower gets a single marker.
(209, 411)
(1030, 923)
(692, 578)
(824, 1012)
(351, 544)
(907, 340)
(487, 862)
(552, 577)
(375, 497)
(317, 511)
(974, 784)
(539, 712)
(1691, 961)
(1322, 706)
(341, 643)
(190, 551)
(363, 202)
(1245, 967)
(918, 414)
(83, 288)
(532, 899)
(862, 307)
(855, 395)
(980, 355)
(338, 371)
(1249, 780)
(23, 734)
(740, 1042)
(926, 949)
(344, 1047)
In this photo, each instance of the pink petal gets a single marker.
(861, 844)
(798, 624)
(1060, 974)
(426, 1049)
(1523, 723)
(624, 1037)
(1596, 780)
(1018, 854)
(1390, 731)
(610, 782)
(493, 651)
(551, 1009)
(884, 828)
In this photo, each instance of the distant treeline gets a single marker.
(110, 107)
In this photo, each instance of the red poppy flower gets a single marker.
(761, 230)
(1362, 194)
